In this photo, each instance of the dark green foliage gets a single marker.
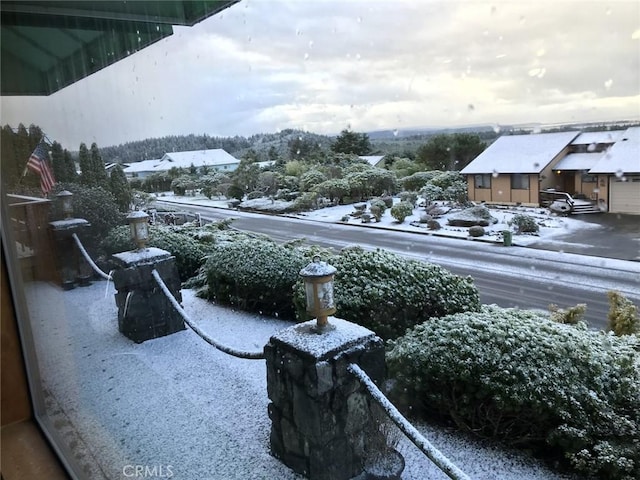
(256, 275)
(352, 142)
(515, 375)
(96, 205)
(449, 152)
(388, 293)
(189, 252)
(235, 191)
(120, 188)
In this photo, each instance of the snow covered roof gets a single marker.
(197, 158)
(520, 153)
(623, 157)
(578, 161)
(589, 138)
(143, 166)
(372, 159)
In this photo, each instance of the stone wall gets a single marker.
(319, 411)
(144, 312)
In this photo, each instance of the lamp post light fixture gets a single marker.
(65, 197)
(139, 223)
(318, 285)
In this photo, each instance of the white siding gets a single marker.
(624, 196)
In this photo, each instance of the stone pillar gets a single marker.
(144, 312)
(69, 260)
(319, 411)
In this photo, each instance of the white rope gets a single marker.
(442, 462)
(88, 259)
(195, 328)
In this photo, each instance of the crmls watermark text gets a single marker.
(147, 471)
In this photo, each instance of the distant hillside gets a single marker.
(290, 144)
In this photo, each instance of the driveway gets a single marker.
(619, 237)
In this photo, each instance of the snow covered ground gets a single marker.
(177, 402)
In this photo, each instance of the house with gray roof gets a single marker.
(600, 167)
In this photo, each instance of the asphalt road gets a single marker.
(507, 276)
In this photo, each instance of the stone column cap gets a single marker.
(305, 340)
(69, 223)
(139, 257)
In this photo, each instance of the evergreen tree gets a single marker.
(9, 163)
(69, 169)
(97, 166)
(57, 161)
(87, 176)
(352, 142)
(119, 187)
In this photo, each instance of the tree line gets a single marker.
(18, 145)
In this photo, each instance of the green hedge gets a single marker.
(520, 377)
(254, 274)
(190, 253)
(388, 293)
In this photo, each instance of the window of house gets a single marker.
(519, 181)
(482, 181)
(586, 178)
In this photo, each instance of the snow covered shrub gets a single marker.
(524, 223)
(376, 211)
(388, 201)
(401, 210)
(388, 293)
(190, 253)
(418, 180)
(623, 315)
(570, 316)
(431, 193)
(305, 202)
(424, 218)
(476, 231)
(409, 197)
(382, 204)
(514, 375)
(255, 275)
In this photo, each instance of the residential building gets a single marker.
(602, 167)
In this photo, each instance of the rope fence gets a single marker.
(223, 348)
(91, 263)
(442, 462)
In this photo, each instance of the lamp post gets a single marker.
(139, 224)
(65, 197)
(318, 285)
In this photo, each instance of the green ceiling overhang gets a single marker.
(48, 45)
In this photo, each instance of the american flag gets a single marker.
(38, 164)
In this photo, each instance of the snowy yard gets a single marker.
(176, 401)
(550, 225)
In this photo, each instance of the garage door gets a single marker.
(625, 196)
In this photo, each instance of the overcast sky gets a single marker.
(323, 66)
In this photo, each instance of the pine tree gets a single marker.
(87, 176)
(70, 174)
(57, 161)
(97, 165)
(120, 188)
